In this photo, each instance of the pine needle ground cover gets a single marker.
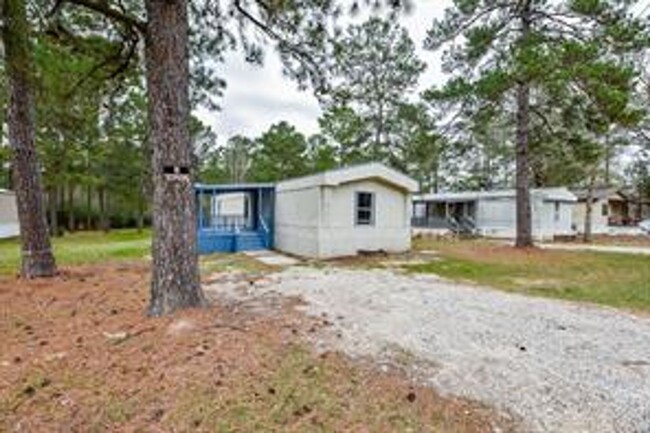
(77, 353)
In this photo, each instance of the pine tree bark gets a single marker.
(589, 211)
(104, 220)
(72, 224)
(175, 281)
(524, 236)
(89, 207)
(37, 257)
(52, 202)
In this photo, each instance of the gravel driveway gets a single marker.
(560, 367)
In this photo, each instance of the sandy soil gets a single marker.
(77, 354)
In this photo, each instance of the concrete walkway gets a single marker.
(598, 248)
(272, 258)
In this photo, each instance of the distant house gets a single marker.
(614, 211)
(335, 213)
(8, 215)
(639, 207)
(493, 213)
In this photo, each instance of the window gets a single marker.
(604, 211)
(365, 209)
(557, 211)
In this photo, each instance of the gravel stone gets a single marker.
(559, 366)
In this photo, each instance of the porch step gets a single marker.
(249, 242)
(229, 242)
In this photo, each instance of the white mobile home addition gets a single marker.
(344, 212)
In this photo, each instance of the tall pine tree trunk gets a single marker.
(52, 200)
(175, 281)
(72, 224)
(104, 220)
(37, 257)
(589, 210)
(524, 236)
(89, 207)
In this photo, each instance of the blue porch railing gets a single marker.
(265, 232)
(233, 233)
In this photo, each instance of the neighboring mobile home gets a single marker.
(613, 211)
(8, 215)
(493, 213)
(335, 213)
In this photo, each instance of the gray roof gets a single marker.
(547, 194)
(371, 170)
(599, 193)
(233, 187)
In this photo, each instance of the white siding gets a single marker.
(552, 223)
(340, 236)
(8, 215)
(497, 217)
(297, 217)
(319, 221)
(599, 222)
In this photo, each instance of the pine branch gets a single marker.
(266, 29)
(464, 26)
(109, 12)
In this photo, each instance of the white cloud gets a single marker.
(257, 97)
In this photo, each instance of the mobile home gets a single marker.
(335, 213)
(493, 213)
(343, 212)
(613, 211)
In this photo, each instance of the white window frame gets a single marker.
(371, 209)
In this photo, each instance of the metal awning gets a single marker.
(233, 187)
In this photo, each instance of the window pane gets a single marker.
(364, 212)
(364, 217)
(364, 199)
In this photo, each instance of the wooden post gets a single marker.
(259, 206)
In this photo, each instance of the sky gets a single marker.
(257, 97)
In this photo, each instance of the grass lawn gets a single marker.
(84, 248)
(619, 280)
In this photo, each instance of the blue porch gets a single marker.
(234, 218)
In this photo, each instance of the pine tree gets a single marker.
(37, 257)
(508, 54)
(374, 67)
